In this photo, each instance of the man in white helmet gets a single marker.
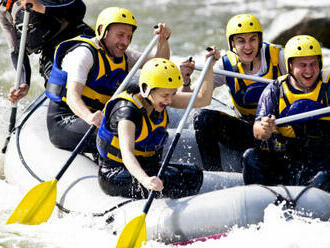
(295, 153)
(86, 73)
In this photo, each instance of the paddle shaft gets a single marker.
(178, 131)
(137, 64)
(302, 115)
(19, 68)
(265, 80)
(237, 75)
(119, 89)
(75, 152)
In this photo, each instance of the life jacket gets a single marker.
(291, 103)
(148, 140)
(103, 79)
(245, 93)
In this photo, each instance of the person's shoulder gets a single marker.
(266, 43)
(275, 85)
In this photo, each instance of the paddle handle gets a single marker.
(75, 152)
(237, 75)
(302, 115)
(137, 65)
(22, 44)
(178, 131)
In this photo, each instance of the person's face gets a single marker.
(161, 97)
(246, 46)
(305, 70)
(117, 38)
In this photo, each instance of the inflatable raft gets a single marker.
(222, 202)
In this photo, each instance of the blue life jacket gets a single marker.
(103, 79)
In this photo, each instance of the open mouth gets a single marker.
(162, 106)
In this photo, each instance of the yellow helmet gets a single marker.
(241, 24)
(159, 73)
(113, 15)
(301, 46)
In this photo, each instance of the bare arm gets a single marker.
(78, 106)
(126, 134)
(163, 48)
(204, 97)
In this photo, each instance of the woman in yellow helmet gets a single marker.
(247, 54)
(298, 152)
(86, 73)
(133, 131)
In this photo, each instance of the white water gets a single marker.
(195, 25)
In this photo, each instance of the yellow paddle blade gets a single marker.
(134, 233)
(37, 205)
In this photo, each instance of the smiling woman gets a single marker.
(134, 131)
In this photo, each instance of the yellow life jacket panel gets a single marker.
(291, 103)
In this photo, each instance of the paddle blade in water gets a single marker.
(134, 233)
(37, 205)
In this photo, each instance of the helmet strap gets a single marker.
(145, 93)
(104, 46)
(251, 66)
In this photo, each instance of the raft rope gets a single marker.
(28, 112)
(290, 203)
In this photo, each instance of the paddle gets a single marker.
(19, 68)
(38, 204)
(302, 115)
(237, 75)
(134, 233)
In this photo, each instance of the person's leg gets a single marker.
(206, 131)
(181, 180)
(316, 172)
(266, 168)
(66, 130)
(235, 133)
(253, 172)
(117, 181)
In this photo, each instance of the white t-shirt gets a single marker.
(78, 62)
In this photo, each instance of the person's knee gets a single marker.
(181, 182)
(203, 119)
(249, 158)
(193, 179)
(251, 171)
(114, 181)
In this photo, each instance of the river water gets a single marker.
(195, 25)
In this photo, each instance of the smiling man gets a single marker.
(247, 54)
(296, 153)
(86, 73)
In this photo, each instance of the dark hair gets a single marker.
(133, 89)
